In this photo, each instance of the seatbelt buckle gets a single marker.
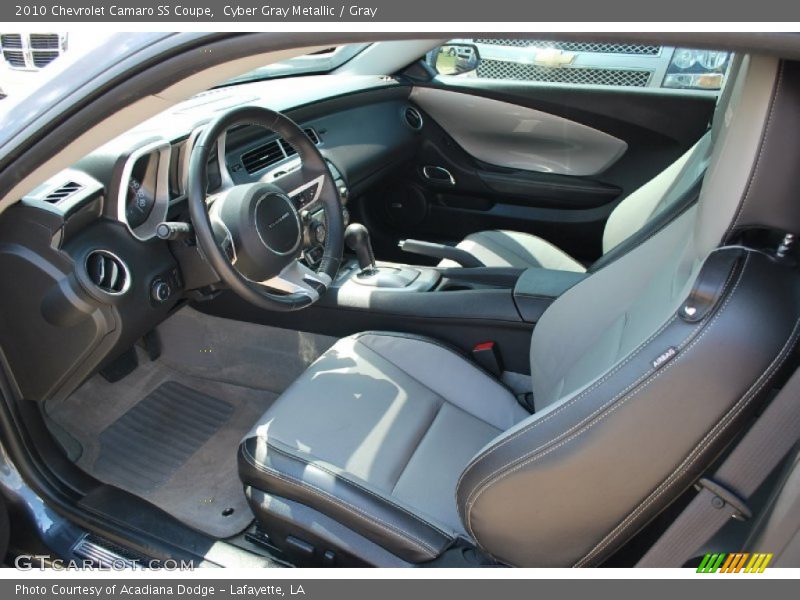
(487, 356)
(724, 497)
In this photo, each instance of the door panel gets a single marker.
(654, 126)
(519, 137)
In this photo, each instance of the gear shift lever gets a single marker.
(356, 237)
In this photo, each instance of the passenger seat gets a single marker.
(642, 214)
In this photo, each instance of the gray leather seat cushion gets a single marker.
(499, 248)
(384, 417)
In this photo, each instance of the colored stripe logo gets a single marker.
(737, 562)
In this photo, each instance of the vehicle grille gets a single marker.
(14, 58)
(498, 69)
(30, 50)
(42, 58)
(44, 41)
(577, 46)
(11, 40)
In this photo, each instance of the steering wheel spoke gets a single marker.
(252, 234)
(309, 192)
(297, 278)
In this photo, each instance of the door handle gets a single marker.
(438, 175)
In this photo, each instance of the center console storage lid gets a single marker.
(536, 289)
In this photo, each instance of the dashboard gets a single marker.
(104, 276)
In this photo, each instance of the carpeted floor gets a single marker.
(169, 431)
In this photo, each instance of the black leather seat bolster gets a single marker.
(659, 417)
(277, 470)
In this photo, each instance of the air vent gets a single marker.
(312, 135)
(290, 151)
(272, 152)
(108, 272)
(413, 118)
(62, 192)
(263, 156)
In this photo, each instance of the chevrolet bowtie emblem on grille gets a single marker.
(279, 220)
(553, 57)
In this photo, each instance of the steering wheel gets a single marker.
(252, 234)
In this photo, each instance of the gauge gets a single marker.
(138, 203)
(143, 195)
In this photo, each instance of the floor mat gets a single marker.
(162, 432)
(170, 438)
(148, 444)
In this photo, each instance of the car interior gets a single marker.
(370, 315)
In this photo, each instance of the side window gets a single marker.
(581, 63)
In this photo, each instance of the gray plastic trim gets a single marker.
(158, 213)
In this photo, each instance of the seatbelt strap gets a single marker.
(723, 496)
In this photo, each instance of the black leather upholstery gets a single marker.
(287, 474)
(599, 466)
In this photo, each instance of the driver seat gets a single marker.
(393, 449)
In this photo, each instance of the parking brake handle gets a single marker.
(462, 257)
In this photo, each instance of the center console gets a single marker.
(463, 306)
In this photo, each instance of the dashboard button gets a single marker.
(320, 233)
(160, 290)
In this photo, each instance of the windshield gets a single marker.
(28, 61)
(321, 61)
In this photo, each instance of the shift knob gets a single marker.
(356, 237)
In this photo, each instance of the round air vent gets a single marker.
(108, 272)
(412, 117)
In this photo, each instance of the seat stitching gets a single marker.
(651, 375)
(698, 450)
(416, 448)
(324, 468)
(595, 385)
(459, 356)
(536, 422)
(343, 504)
(583, 425)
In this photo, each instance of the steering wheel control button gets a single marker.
(320, 232)
(261, 221)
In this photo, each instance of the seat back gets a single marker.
(644, 371)
(659, 197)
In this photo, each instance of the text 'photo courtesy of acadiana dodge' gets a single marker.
(202, 590)
(198, 12)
